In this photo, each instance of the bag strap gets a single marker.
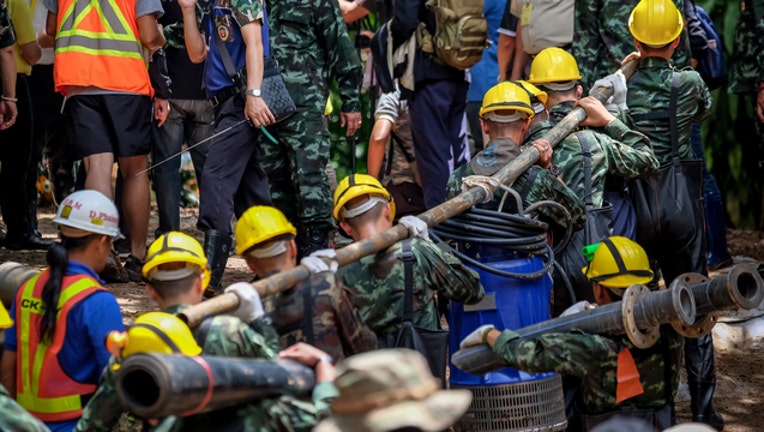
(407, 256)
(225, 56)
(667, 372)
(672, 118)
(586, 151)
(307, 312)
(532, 174)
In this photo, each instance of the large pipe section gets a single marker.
(12, 276)
(741, 288)
(160, 385)
(639, 315)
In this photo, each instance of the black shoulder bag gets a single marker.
(432, 344)
(671, 201)
(273, 89)
(599, 226)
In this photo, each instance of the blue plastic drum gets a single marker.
(509, 304)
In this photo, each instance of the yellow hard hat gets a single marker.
(260, 224)
(553, 65)
(506, 96)
(157, 332)
(655, 23)
(535, 93)
(356, 185)
(5, 318)
(619, 262)
(171, 248)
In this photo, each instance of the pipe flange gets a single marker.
(703, 324)
(640, 338)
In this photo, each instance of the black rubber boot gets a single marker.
(310, 240)
(217, 245)
(701, 379)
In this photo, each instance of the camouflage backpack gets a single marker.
(461, 32)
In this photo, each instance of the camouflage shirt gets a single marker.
(13, 417)
(337, 327)
(7, 36)
(376, 285)
(615, 149)
(594, 359)
(227, 336)
(747, 64)
(311, 43)
(401, 167)
(650, 91)
(602, 38)
(543, 184)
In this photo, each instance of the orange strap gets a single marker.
(627, 376)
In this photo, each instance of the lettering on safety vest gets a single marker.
(33, 304)
(97, 28)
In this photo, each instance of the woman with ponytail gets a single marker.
(55, 352)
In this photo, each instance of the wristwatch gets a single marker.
(254, 92)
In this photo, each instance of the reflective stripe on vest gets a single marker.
(43, 388)
(98, 44)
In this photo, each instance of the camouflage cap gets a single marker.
(390, 389)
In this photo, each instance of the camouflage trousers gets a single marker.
(295, 165)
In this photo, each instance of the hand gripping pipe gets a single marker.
(638, 316)
(161, 385)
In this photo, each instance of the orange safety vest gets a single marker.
(98, 44)
(42, 387)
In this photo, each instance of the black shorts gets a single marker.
(109, 123)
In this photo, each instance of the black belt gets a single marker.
(223, 96)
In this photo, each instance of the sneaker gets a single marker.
(133, 265)
(114, 272)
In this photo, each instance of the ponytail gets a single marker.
(58, 261)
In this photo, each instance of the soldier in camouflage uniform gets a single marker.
(364, 208)
(310, 42)
(618, 263)
(612, 147)
(317, 310)
(177, 274)
(8, 109)
(505, 116)
(673, 231)
(602, 39)
(746, 77)
(13, 417)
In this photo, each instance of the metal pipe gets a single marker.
(355, 251)
(645, 311)
(12, 276)
(740, 288)
(160, 385)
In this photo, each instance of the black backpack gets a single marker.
(713, 66)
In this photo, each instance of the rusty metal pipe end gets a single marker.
(683, 301)
(745, 286)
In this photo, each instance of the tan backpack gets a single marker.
(461, 32)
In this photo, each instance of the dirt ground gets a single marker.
(739, 395)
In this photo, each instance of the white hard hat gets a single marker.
(88, 211)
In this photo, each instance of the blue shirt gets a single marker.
(83, 355)
(484, 74)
